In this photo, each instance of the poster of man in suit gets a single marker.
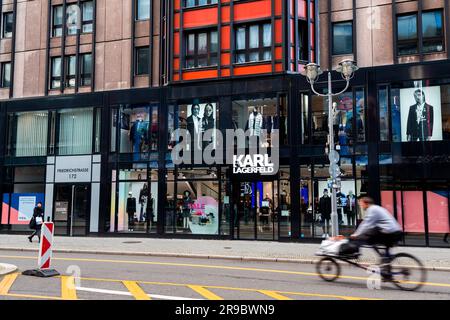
(420, 109)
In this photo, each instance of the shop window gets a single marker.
(75, 131)
(142, 60)
(258, 118)
(360, 115)
(343, 38)
(197, 3)
(142, 9)
(28, 134)
(201, 49)
(253, 43)
(98, 119)
(87, 20)
(8, 23)
(57, 21)
(304, 125)
(6, 75)
(319, 121)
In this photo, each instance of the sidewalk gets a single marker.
(433, 258)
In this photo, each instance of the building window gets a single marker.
(7, 25)
(142, 9)
(201, 49)
(6, 75)
(55, 80)
(142, 60)
(302, 40)
(408, 33)
(28, 134)
(57, 21)
(71, 63)
(87, 16)
(253, 43)
(343, 38)
(86, 69)
(196, 3)
(75, 131)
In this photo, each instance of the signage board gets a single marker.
(73, 169)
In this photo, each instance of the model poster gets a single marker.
(420, 109)
(200, 119)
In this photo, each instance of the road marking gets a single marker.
(205, 292)
(16, 295)
(214, 267)
(125, 293)
(136, 290)
(68, 289)
(7, 283)
(274, 294)
(326, 295)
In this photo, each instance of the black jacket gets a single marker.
(131, 205)
(325, 207)
(38, 212)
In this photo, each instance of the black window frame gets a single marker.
(5, 22)
(85, 77)
(136, 59)
(197, 4)
(209, 55)
(351, 51)
(90, 21)
(419, 32)
(261, 48)
(56, 27)
(3, 82)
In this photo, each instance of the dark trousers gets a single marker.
(130, 219)
(36, 232)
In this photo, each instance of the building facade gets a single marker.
(92, 101)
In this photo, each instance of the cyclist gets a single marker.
(378, 227)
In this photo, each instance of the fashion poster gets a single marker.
(200, 119)
(420, 110)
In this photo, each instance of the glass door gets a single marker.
(72, 209)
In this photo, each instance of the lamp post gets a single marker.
(312, 72)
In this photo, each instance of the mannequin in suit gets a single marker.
(137, 136)
(325, 211)
(131, 210)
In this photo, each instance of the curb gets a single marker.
(200, 256)
(7, 269)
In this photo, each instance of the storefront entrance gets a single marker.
(257, 210)
(72, 209)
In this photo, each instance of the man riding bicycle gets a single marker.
(378, 227)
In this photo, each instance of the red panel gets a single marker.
(311, 10)
(197, 18)
(278, 8)
(197, 75)
(278, 53)
(176, 77)
(312, 35)
(226, 14)
(225, 40)
(292, 35)
(176, 43)
(176, 19)
(225, 59)
(279, 67)
(302, 4)
(265, 68)
(176, 4)
(176, 64)
(225, 72)
(291, 7)
(252, 10)
(278, 31)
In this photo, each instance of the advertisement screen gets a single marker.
(19, 207)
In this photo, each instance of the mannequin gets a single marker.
(149, 210)
(187, 201)
(143, 194)
(350, 209)
(131, 210)
(137, 136)
(265, 211)
(255, 122)
(341, 202)
(325, 211)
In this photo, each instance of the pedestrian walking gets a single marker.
(36, 222)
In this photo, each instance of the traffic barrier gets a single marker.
(45, 253)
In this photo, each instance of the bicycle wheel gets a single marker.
(328, 269)
(408, 272)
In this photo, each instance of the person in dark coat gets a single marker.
(325, 211)
(420, 119)
(38, 218)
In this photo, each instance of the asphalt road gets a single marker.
(96, 276)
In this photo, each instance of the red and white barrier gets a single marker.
(45, 248)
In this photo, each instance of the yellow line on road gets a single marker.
(16, 295)
(213, 267)
(326, 295)
(205, 292)
(136, 290)
(274, 294)
(68, 290)
(7, 283)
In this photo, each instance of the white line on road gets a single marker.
(125, 293)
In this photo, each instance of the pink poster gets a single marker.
(438, 221)
(414, 213)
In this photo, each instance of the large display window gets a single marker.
(76, 127)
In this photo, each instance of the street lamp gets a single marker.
(312, 72)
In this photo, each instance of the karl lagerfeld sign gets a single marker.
(256, 163)
(73, 169)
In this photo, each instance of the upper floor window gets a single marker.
(142, 60)
(55, 75)
(70, 68)
(408, 33)
(303, 40)
(87, 13)
(142, 9)
(201, 49)
(57, 21)
(86, 69)
(253, 43)
(196, 3)
(343, 38)
(6, 75)
(7, 24)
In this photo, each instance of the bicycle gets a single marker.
(404, 270)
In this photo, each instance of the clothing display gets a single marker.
(143, 195)
(350, 209)
(255, 123)
(131, 210)
(194, 126)
(186, 209)
(138, 137)
(420, 122)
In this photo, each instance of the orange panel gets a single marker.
(176, 63)
(177, 4)
(252, 10)
(279, 67)
(225, 59)
(278, 8)
(176, 43)
(278, 53)
(176, 19)
(226, 14)
(278, 31)
(225, 38)
(197, 75)
(225, 72)
(198, 18)
(248, 70)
